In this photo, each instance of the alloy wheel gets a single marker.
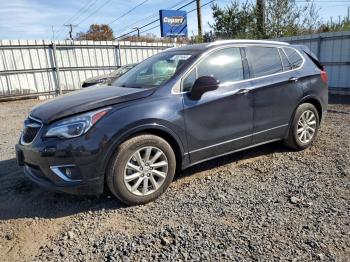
(145, 171)
(306, 126)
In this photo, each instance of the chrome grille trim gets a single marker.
(38, 125)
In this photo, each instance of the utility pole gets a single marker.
(53, 33)
(138, 32)
(71, 30)
(260, 17)
(199, 18)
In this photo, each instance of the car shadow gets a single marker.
(275, 147)
(20, 198)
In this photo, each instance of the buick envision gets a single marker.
(176, 109)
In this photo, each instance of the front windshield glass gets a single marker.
(155, 70)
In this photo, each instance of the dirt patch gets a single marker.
(267, 203)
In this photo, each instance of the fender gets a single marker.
(305, 98)
(130, 131)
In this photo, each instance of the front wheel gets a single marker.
(304, 127)
(141, 170)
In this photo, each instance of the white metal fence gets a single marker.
(333, 51)
(45, 67)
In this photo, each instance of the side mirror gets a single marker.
(203, 84)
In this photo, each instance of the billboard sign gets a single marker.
(173, 23)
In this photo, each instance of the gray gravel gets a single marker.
(264, 204)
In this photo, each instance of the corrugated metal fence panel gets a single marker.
(30, 67)
(333, 50)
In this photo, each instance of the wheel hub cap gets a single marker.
(145, 171)
(306, 126)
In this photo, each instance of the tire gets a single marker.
(296, 129)
(124, 173)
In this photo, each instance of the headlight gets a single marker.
(77, 125)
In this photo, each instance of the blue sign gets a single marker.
(173, 23)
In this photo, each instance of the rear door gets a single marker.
(222, 120)
(275, 91)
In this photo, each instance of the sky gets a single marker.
(44, 19)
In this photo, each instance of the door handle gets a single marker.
(242, 91)
(293, 79)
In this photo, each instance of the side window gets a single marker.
(189, 81)
(263, 61)
(294, 58)
(285, 62)
(225, 65)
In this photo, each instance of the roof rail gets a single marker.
(247, 41)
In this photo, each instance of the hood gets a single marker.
(86, 100)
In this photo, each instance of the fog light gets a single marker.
(68, 173)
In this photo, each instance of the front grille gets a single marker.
(31, 129)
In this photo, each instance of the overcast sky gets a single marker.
(34, 19)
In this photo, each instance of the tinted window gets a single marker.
(293, 57)
(189, 81)
(154, 71)
(285, 61)
(225, 65)
(263, 61)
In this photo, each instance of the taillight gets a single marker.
(324, 76)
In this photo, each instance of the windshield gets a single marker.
(123, 70)
(155, 70)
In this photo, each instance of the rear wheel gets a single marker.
(141, 170)
(304, 127)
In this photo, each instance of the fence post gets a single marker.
(319, 47)
(57, 70)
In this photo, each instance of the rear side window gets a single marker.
(263, 61)
(285, 62)
(294, 58)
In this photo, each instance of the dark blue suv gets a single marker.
(178, 108)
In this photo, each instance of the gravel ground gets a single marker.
(264, 204)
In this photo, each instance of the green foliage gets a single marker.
(234, 21)
(342, 25)
(281, 18)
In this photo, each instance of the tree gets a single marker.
(281, 18)
(97, 33)
(286, 18)
(234, 21)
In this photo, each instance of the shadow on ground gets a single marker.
(20, 198)
(339, 99)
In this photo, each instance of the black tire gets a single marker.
(115, 172)
(293, 140)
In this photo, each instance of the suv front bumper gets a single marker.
(60, 171)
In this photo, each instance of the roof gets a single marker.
(204, 46)
(245, 41)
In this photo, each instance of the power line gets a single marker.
(195, 9)
(94, 12)
(156, 20)
(151, 16)
(85, 8)
(128, 12)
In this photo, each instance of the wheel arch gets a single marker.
(154, 129)
(309, 99)
(315, 102)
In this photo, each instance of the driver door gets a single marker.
(222, 120)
